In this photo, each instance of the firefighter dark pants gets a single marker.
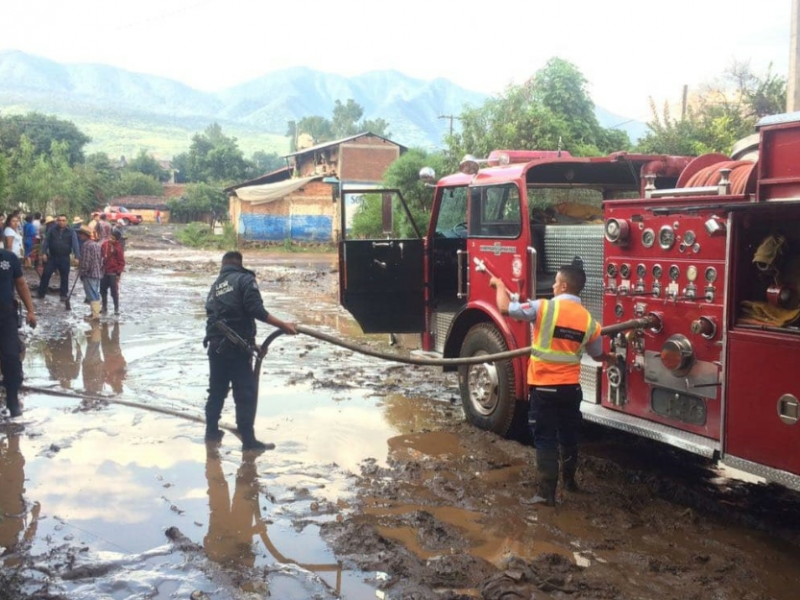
(10, 349)
(232, 369)
(555, 420)
(110, 283)
(55, 262)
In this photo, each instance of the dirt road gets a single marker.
(376, 487)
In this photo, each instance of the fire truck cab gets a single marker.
(709, 247)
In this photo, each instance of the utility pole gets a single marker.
(455, 118)
(793, 82)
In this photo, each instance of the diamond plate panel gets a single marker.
(789, 480)
(441, 325)
(564, 242)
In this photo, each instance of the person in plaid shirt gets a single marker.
(91, 270)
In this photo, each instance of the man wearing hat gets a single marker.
(59, 242)
(91, 270)
(76, 223)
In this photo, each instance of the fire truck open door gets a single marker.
(762, 387)
(381, 280)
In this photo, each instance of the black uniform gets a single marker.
(233, 298)
(10, 344)
(58, 244)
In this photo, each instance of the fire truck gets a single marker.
(706, 248)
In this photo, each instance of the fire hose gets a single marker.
(649, 321)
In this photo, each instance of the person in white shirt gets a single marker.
(12, 240)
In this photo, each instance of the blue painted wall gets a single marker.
(276, 228)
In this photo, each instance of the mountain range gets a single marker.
(123, 111)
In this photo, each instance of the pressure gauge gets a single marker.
(619, 310)
(666, 237)
(625, 270)
(611, 270)
(657, 271)
(689, 238)
(641, 271)
(691, 273)
(711, 274)
(674, 272)
(648, 238)
(617, 231)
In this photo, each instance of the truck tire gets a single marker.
(487, 390)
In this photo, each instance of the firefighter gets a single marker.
(235, 300)
(562, 330)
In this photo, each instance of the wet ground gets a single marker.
(376, 488)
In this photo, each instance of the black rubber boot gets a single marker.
(12, 403)
(213, 432)
(251, 444)
(569, 466)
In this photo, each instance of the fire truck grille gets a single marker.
(562, 243)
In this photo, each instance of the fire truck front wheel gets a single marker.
(487, 390)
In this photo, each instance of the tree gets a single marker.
(346, 117)
(200, 202)
(133, 183)
(402, 174)
(266, 162)
(42, 130)
(213, 157)
(319, 128)
(376, 126)
(718, 116)
(552, 109)
(144, 163)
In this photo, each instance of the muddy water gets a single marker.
(95, 483)
(368, 491)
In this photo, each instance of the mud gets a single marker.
(376, 487)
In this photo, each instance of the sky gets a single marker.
(628, 50)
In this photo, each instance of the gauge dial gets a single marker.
(666, 237)
(619, 310)
(648, 238)
(691, 273)
(711, 274)
(657, 271)
(611, 270)
(625, 270)
(689, 238)
(641, 271)
(674, 272)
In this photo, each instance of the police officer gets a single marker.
(562, 330)
(58, 243)
(10, 344)
(235, 300)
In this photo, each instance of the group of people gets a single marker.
(98, 250)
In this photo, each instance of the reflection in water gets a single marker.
(62, 356)
(92, 365)
(13, 512)
(115, 366)
(233, 524)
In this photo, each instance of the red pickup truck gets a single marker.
(117, 213)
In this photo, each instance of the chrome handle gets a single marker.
(381, 264)
(382, 244)
(532, 261)
(460, 291)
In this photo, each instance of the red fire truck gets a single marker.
(708, 247)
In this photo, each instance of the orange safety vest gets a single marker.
(560, 333)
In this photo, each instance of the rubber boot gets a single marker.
(251, 444)
(95, 315)
(213, 432)
(569, 466)
(104, 310)
(547, 465)
(12, 403)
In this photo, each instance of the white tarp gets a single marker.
(270, 192)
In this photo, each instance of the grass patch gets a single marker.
(200, 235)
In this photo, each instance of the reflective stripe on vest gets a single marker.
(542, 347)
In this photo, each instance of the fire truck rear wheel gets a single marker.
(487, 390)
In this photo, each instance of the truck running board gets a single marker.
(690, 442)
(789, 480)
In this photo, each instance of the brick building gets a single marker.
(295, 203)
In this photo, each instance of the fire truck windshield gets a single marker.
(451, 220)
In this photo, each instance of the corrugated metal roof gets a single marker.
(342, 141)
(273, 176)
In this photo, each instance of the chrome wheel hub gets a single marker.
(482, 383)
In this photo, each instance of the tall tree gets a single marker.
(346, 118)
(42, 130)
(215, 157)
(146, 164)
(552, 109)
(265, 162)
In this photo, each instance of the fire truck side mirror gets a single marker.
(427, 175)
